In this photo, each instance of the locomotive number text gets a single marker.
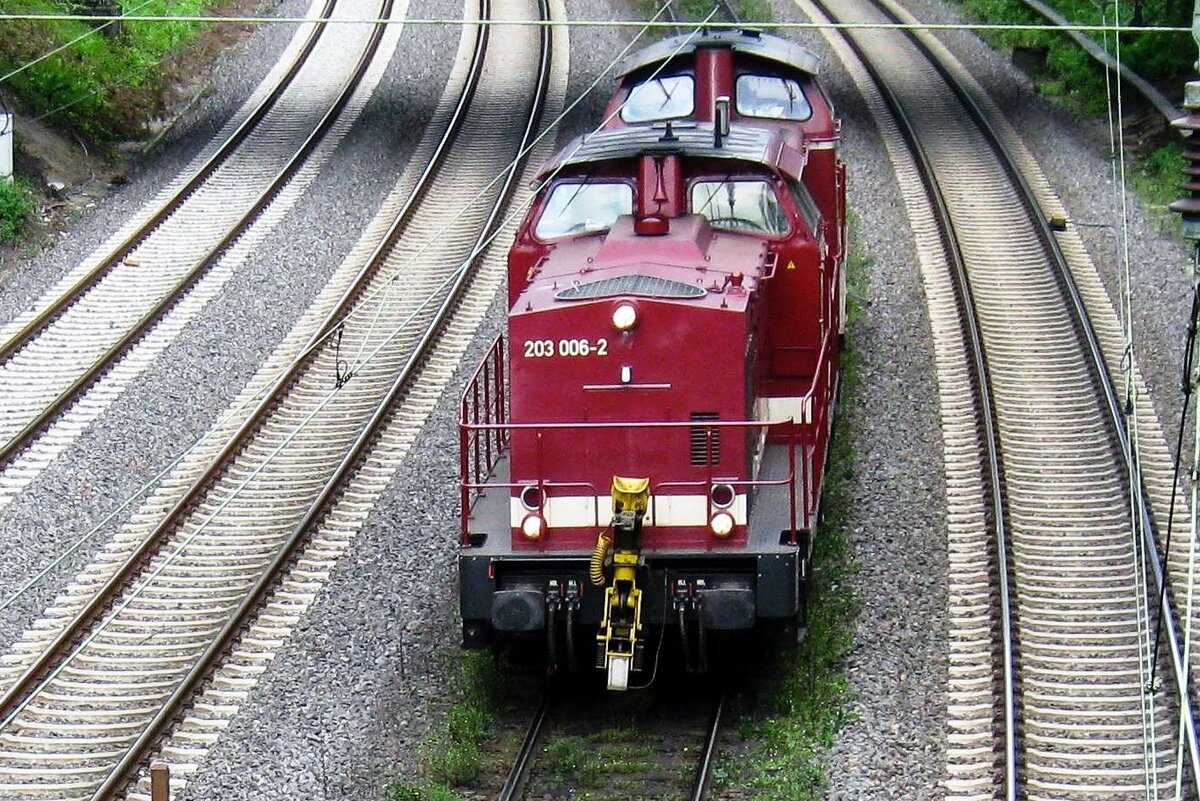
(544, 348)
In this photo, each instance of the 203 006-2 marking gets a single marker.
(546, 348)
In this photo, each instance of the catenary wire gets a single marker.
(763, 25)
(270, 381)
(296, 431)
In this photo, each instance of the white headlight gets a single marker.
(721, 524)
(624, 316)
(531, 526)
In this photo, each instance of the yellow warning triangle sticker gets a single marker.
(791, 264)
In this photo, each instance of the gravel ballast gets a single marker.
(176, 400)
(355, 691)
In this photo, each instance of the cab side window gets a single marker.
(807, 206)
(772, 98)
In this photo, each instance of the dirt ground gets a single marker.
(67, 176)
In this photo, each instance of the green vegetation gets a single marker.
(1157, 178)
(693, 10)
(16, 209)
(1164, 59)
(109, 80)
(802, 697)
(453, 757)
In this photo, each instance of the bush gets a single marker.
(105, 85)
(16, 208)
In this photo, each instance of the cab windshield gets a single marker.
(740, 205)
(659, 99)
(583, 207)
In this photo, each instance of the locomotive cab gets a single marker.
(643, 451)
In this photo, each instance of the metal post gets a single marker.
(6, 146)
(160, 782)
(1189, 212)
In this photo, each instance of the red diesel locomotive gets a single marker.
(644, 451)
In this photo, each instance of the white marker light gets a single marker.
(531, 498)
(626, 374)
(531, 527)
(722, 495)
(721, 524)
(624, 317)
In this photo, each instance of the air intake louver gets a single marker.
(701, 442)
(640, 286)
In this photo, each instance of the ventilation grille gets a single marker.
(700, 440)
(641, 286)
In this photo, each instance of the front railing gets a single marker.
(483, 415)
(485, 433)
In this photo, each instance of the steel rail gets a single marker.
(517, 777)
(1103, 379)
(708, 753)
(22, 337)
(357, 451)
(195, 272)
(149, 546)
(983, 398)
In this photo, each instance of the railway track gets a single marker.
(1053, 564)
(53, 357)
(202, 595)
(671, 756)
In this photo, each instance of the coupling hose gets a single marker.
(599, 554)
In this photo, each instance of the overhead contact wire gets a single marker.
(270, 382)
(763, 25)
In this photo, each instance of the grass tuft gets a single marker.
(801, 697)
(16, 209)
(454, 755)
(110, 80)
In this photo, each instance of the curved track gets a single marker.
(1070, 720)
(101, 677)
(51, 357)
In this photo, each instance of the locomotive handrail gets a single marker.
(798, 435)
(485, 431)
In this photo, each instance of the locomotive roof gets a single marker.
(743, 143)
(751, 42)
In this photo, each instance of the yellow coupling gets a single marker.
(599, 554)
